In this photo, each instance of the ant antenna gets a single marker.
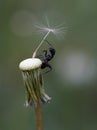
(48, 43)
(43, 39)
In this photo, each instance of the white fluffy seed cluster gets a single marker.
(30, 63)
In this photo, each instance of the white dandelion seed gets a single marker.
(58, 30)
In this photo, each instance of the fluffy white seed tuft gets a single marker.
(30, 63)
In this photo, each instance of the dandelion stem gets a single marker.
(39, 123)
(34, 54)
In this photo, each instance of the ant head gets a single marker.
(52, 50)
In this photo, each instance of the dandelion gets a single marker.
(33, 78)
(33, 81)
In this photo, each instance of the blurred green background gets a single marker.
(73, 82)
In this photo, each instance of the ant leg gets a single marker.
(49, 66)
(45, 53)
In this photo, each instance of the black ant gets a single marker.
(47, 57)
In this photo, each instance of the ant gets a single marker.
(47, 57)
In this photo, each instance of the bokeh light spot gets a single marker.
(76, 67)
